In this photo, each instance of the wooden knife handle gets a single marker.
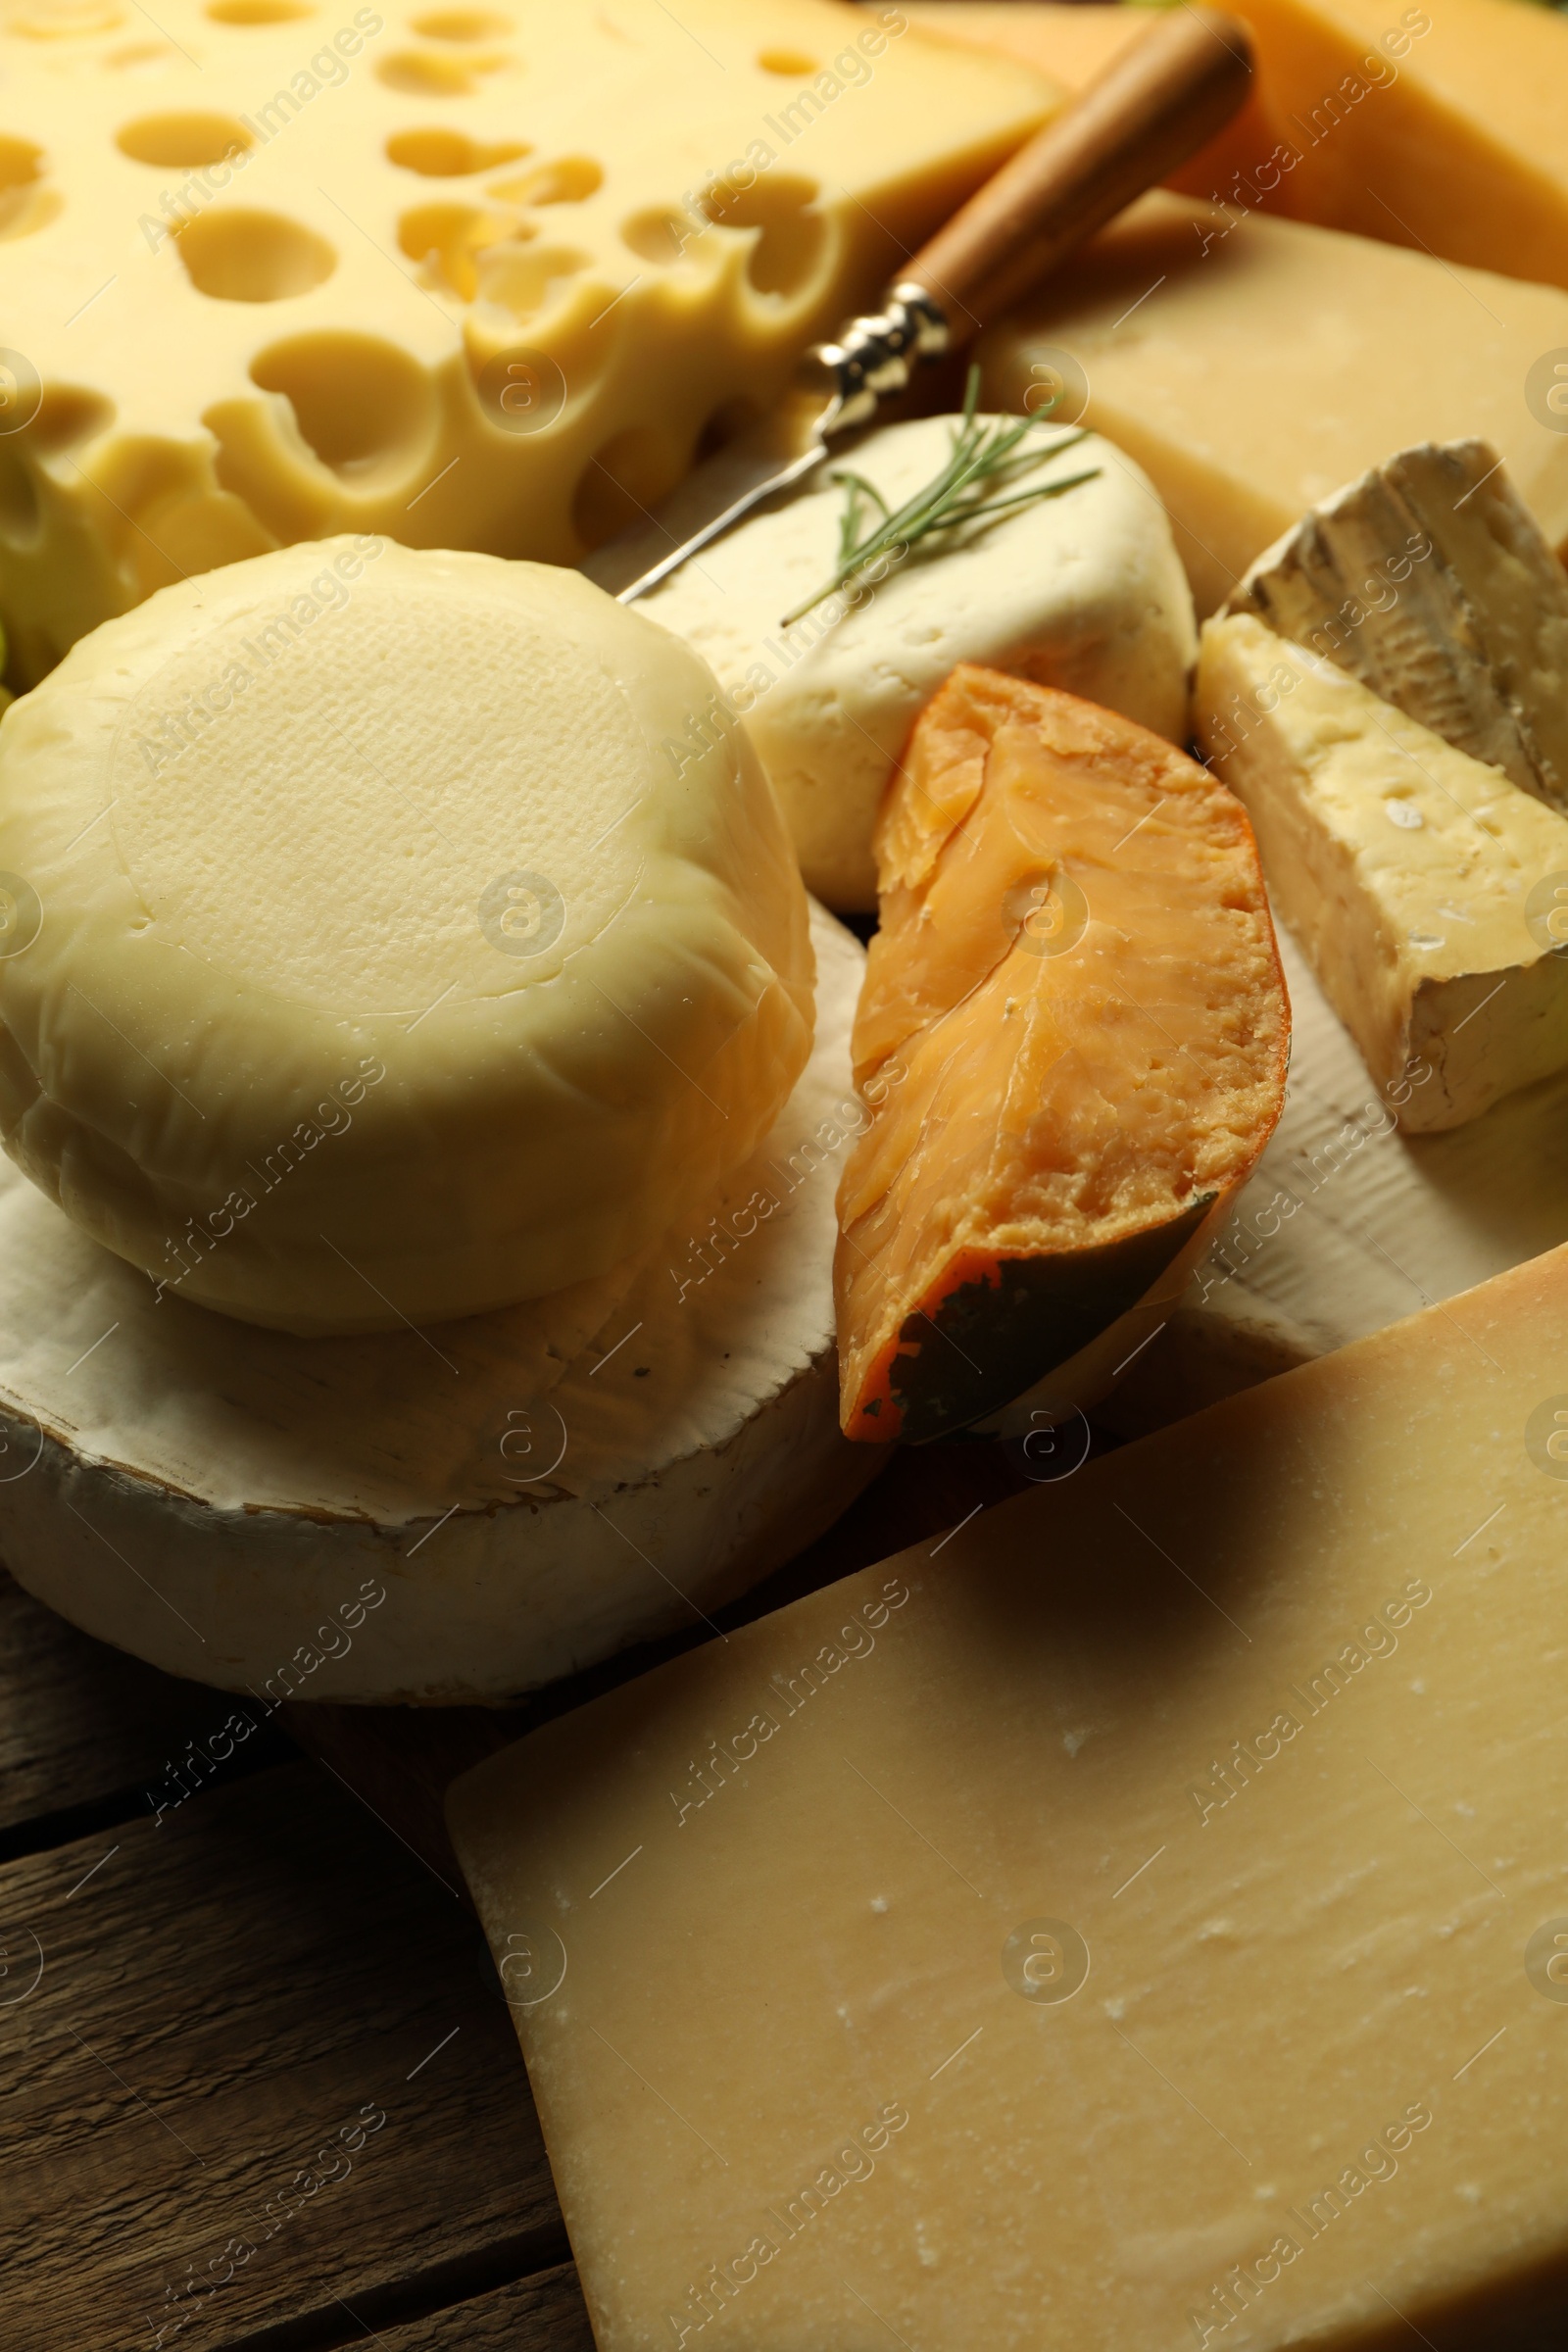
(1152, 108)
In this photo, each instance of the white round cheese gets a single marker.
(367, 960)
(449, 1515)
(1084, 592)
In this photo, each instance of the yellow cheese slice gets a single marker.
(1136, 1922)
(472, 276)
(1440, 125)
(1429, 892)
(1253, 368)
(368, 962)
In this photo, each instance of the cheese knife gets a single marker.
(1154, 106)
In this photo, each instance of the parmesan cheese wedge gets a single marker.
(1430, 581)
(1251, 365)
(213, 1498)
(1138, 1924)
(1429, 893)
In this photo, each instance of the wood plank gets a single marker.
(87, 1734)
(400, 1760)
(542, 2314)
(226, 2006)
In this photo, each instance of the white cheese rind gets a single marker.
(208, 1496)
(1083, 591)
(1410, 873)
(387, 971)
(1430, 580)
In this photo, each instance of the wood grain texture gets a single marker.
(542, 2314)
(226, 1997)
(86, 1730)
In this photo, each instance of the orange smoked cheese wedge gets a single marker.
(1072, 1041)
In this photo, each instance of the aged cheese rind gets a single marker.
(384, 971)
(1084, 592)
(207, 1496)
(1408, 870)
(472, 279)
(1430, 580)
(1252, 366)
(1259, 1710)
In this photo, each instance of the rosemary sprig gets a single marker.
(985, 457)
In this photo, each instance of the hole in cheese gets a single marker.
(258, 12)
(567, 182)
(183, 142)
(525, 282)
(63, 20)
(656, 234)
(1072, 1036)
(789, 237)
(240, 256)
(632, 471)
(435, 77)
(24, 206)
(791, 62)
(20, 162)
(449, 235)
(362, 405)
(450, 154)
(143, 57)
(68, 416)
(461, 24)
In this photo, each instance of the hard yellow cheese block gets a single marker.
(1253, 369)
(469, 276)
(1441, 126)
(1136, 1922)
(1438, 125)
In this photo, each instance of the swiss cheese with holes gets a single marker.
(470, 276)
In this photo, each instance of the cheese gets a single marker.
(1252, 366)
(1354, 1218)
(369, 962)
(526, 1492)
(470, 277)
(1430, 582)
(1440, 125)
(1084, 592)
(1430, 893)
(1122, 1926)
(1072, 42)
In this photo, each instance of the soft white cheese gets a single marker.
(367, 960)
(1083, 591)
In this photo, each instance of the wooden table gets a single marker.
(198, 2005)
